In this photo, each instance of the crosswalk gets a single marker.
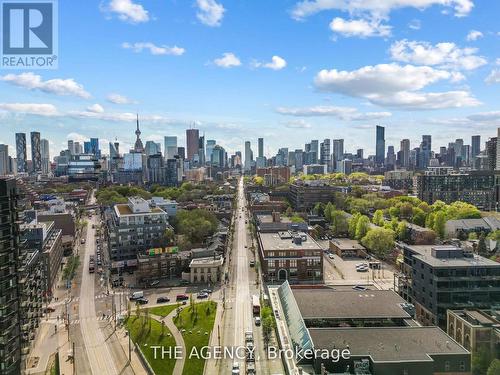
(62, 323)
(76, 299)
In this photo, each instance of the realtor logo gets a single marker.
(29, 34)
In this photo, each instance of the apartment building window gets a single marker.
(447, 366)
(462, 366)
(293, 263)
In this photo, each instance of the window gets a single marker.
(293, 263)
(462, 366)
(447, 366)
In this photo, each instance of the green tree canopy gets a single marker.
(380, 241)
(362, 227)
(378, 218)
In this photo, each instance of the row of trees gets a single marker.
(195, 225)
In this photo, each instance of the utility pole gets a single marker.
(74, 359)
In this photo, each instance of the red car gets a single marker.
(182, 297)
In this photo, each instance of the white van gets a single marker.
(137, 295)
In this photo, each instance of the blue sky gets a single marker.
(289, 71)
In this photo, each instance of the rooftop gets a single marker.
(207, 262)
(347, 244)
(388, 344)
(424, 252)
(280, 241)
(336, 304)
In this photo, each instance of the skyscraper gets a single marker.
(192, 140)
(261, 147)
(22, 163)
(325, 154)
(4, 160)
(201, 150)
(338, 153)
(151, 148)
(71, 147)
(94, 147)
(425, 151)
(36, 156)
(475, 146)
(45, 152)
(315, 150)
(405, 153)
(380, 145)
(209, 149)
(170, 147)
(248, 156)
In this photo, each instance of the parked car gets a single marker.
(154, 283)
(162, 299)
(142, 301)
(257, 321)
(181, 297)
(252, 263)
(209, 291)
(359, 288)
(82, 241)
(331, 256)
(202, 295)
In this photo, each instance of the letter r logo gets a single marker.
(27, 28)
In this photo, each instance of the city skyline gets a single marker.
(430, 70)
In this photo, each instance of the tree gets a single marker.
(339, 227)
(402, 231)
(494, 368)
(380, 241)
(319, 209)
(481, 360)
(405, 211)
(473, 236)
(418, 216)
(481, 245)
(362, 227)
(439, 224)
(378, 218)
(297, 219)
(329, 208)
(353, 222)
(394, 212)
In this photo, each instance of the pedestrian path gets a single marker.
(179, 340)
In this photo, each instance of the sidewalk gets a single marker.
(179, 341)
(212, 366)
(135, 362)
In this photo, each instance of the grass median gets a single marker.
(144, 330)
(198, 321)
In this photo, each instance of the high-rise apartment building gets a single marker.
(425, 151)
(4, 160)
(209, 149)
(315, 150)
(192, 140)
(380, 145)
(10, 332)
(45, 153)
(405, 153)
(170, 147)
(261, 147)
(36, 156)
(248, 156)
(338, 153)
(22, 162)
(325, 154)
(475, 146)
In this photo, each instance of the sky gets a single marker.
(286, 70)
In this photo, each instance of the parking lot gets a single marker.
(340, 271)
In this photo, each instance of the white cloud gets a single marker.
(210, 12)
(493, 77)
(96, 108)
(393, 85)
(118, 116)
(474, 35)
(119, 99)
(359, 28)
(497, 61)
(378, 9)
(343, 113)
(297, 124)
(30, 108)
(56, 86)
(128, 11)
(485, 117)
(446, 55)
(228, 60)
(154, 49)
(276, 63)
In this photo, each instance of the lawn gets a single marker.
(162, 311)
(202, 321)
(152, 336)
